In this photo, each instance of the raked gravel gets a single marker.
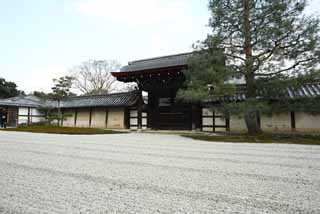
(154, 173)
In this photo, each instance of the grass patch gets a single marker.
(61, 130)
(264, 138)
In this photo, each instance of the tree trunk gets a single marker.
(251, 87)
(252, 122)
(251, 112)
(59, 113)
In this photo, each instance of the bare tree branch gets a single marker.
(94, 76)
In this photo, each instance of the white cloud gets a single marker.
(40, 79)
(160, 27)
(136, 12)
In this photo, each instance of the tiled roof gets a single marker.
(155, 63)
(310, 90)
(23, 101)
(107, 100)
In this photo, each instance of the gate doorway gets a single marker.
(173, 118)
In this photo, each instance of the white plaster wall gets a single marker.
(22, 119)
(207, 112)
(237, 124)
(220, 121)
(207, 121)
(133, 121)
(23, 111)
(69, 115)
(83, 117)
(98, 119)
(36, 116)
(116, 118)
(144, 121)
(276, 123)
(133, 113)
(307, 122)
(36, 112)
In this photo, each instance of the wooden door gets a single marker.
(12, 117)
(173, 118)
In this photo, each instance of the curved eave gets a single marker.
(20, 105)
(123, 74)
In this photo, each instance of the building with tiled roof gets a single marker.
(85, 111)
(161, 78)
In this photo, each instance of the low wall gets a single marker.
(83, 116)
(30, 115)
(284, 122)
(307, 122)
(69, 117)
(111, 118)
(116, 117)
(276, 123)
(98, 118)
(237, 124)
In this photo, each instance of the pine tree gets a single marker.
(265, 42)
(60, 90)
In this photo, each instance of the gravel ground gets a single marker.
(152, 173)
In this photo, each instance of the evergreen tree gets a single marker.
(9, 89)
(265, 42)
(60, 90)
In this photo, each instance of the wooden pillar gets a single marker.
(214, 120)
(150, 110)
(293, 120)
(17, 119)
(140, 103)
(227, 121)
(75, 116)
(7, 115)
(28, 121)
(107, 114)
(90, 117)
(62, 117)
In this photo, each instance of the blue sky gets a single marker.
(41, 40)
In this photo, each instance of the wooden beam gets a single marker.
(227, 121)
(140, 103)
(90, 117)
(17, 120)
(214, 120)
(62, 118)
(75, 116)
(293, 120)
(107, 114)
(28, 121)
(148, 72)
(7, 115)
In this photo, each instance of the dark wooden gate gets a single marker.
(173, 118)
